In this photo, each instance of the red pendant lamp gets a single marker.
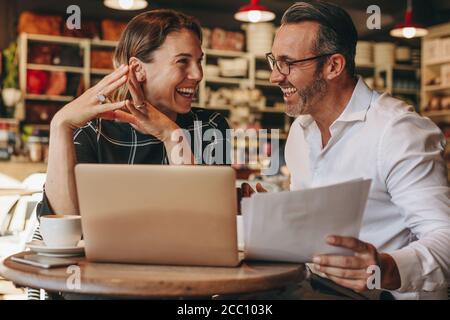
(254, 12)
(408, 29)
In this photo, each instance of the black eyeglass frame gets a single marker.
(270, 57)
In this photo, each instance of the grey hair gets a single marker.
(337, 33)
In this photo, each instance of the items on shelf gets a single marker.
(435, 73)
(36, 143)
(436, 103)
(436, 49)
(88, 29)
(259, 37)
(445, 74)
(41, 112)
(111, 29)
(236, 67)
(234, 97)
(39, 24)
(8, 138)
(226, 40)
(32, 23)
(364, 53)
(403, 55)
(102, 59)
(384, 53)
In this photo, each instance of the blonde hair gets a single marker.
(144, 34)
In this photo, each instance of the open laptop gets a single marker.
(157, 214)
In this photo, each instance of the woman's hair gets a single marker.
(145, 33)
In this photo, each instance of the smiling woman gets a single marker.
(132, 115)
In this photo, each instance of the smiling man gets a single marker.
(345, 130)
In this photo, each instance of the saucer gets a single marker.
(39, 247)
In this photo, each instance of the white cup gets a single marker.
(59, 230)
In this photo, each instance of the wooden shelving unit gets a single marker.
(432, 62)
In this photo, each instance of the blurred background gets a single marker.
(44, 65)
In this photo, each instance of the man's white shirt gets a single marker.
(408, 209)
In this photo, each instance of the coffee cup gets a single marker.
(60, 230)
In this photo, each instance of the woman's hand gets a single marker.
(143, 116)
(87, 106)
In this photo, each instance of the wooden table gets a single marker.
(156, 281)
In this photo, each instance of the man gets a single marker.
(345, 130)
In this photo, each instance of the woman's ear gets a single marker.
(137, 67)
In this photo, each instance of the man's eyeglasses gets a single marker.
(284, 67)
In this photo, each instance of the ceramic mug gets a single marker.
(60, 230)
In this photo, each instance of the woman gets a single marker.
(158, 61)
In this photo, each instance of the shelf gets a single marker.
(225, 53)
(436, 114)
(219, 107)
(104, 43)
(398, 67)
(46, 67)
(227, 80)
(406, 67)
(44, 97)
(265, 83)
(54, 39)
(437, 62)
(272, 110)
(365, 65)
(406, 91)
(39, 126)
(101, 71)
(9, 120)
(438, 88)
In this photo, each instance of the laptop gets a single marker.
(158, 214)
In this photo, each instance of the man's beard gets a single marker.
(308, 96)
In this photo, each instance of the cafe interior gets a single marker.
(46, 63)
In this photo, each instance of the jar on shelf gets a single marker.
(45, 148)
(35, 148)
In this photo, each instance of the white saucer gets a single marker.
(39, 247)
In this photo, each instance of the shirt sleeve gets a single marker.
(86, 152)
(412, 165)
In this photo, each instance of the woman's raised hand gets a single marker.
(89, 105)
(143, 116)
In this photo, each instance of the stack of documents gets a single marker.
(292, 225)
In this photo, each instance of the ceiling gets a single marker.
(217, 13)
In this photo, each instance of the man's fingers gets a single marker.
(348, 242)
(247, 190)
(359, 285)
(342, 273)
(348, 262)
(260, 188)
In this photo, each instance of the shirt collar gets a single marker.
(355, 110)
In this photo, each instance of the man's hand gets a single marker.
(351, 271)
(247, 190)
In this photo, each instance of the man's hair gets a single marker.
(337, 33)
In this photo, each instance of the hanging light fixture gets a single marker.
(126, 4)
(408, 29)
(254, 12)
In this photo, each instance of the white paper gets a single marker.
(292, 225)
